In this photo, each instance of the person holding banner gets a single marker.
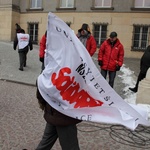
(57, 126)
(87, 39)
(110, 57)
(71, 88)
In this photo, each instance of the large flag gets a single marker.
(72, 84)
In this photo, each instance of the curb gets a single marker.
(18, 82)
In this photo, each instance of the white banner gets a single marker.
(72, 84)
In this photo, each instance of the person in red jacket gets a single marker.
(87, 39)
(42, 49)
(110, 57)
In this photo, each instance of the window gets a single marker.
(67, 3)
(33, 32)
(36, 4)
(142, 4)
(103, 3)
(140, 37)
(100, 33)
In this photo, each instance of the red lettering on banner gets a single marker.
(69, 90)
(24, 38)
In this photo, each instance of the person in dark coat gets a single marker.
(87, 39)
(24, 43)
(144, 65)
(18, 28)
(58, 126)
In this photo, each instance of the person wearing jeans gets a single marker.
(110, 57)
(112, 75)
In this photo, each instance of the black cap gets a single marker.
(84, 26)
(113, 34)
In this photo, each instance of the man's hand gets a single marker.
(41, 59)
(118, 68)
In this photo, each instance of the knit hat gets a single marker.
(18, 28)
(84, 26)
(113, 34)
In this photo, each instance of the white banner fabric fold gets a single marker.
(72, 84)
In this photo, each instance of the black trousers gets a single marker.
(67, 137)
(23, 58)
(42, 67)
(141, 76)
(112, 75)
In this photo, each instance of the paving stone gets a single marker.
(21, 120)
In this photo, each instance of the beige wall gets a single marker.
(15, 19)
(41, 18)
(122, 23)
(5, 24)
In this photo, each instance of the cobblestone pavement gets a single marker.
(21, 120)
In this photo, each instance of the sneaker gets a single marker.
(133, 89)
(21, 69)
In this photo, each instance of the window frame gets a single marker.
(34, 36)
(100, 39)
(140, 37)
(35, 5)
(103, 4)
(66, 3)
(143, 5)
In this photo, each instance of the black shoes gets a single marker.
(21, 69)
(133, 89)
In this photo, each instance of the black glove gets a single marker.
(41, 59)
(117, 67)
(100, 63)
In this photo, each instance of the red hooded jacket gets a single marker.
(91, 45)
(42, 46)
(111, 56)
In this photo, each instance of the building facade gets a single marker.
(129, 18)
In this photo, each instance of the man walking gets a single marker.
(110, 57)
(23, 41)
(144, 66)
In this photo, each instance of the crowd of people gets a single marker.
(110, 59)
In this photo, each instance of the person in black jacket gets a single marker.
(18, 28)
(59, 126)
(24, 43)
(144, 65)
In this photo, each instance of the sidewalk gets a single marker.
(9, 64)
(21, 120)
